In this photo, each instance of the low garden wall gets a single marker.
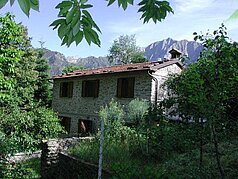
(56, 164)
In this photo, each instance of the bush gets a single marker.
(23, 170)
(137, 110)
(113, 116)
(24, 130)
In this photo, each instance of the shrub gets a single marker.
(23, 170)
(137, 110)
(24, 130)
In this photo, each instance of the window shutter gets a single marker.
(119, 87)
(70, 89)
(96, 88)
(131, 82)
(61, 86)
(83, 88)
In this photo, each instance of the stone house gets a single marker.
(78, 96)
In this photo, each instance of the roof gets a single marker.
(120, 69)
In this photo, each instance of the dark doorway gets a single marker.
(65, 122)
(85, 127)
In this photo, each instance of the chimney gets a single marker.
(175, 53)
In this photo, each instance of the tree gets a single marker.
(124, 50)
(75, 23)
(205, 90)
(43, 92)
(138, 57)
(13, 45)
(23, 122)
(72, 68)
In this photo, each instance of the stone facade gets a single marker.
(86, 108)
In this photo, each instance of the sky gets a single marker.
(189, 16)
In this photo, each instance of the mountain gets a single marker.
(58, 61)
(161, 49)
(89, 62)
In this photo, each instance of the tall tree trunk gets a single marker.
(217, 154)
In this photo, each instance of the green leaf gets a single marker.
(70, 38)
(3, 3)
(76, 18)
(11, 2)
(64, 4)
(63, 11)
(62, 30)
(234, 15)
(76, 28)
(154, 9)
(65, 40)
(25, 6)
(79, 37)
(94, 37)
(35, 2)
(34, 5)
(86, 6)
(86, 22)
(83, 1)
(87, 36)
(90, 19)
(119, 2)
(124, 4)
(142, 2)
(70, 14)
(142, 9)
(110, 2)
(130, 1)
(57, 22)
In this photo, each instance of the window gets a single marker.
(125, 87)
(66, 89)
(90, 88)
(65, 122)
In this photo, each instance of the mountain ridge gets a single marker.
(153, 52)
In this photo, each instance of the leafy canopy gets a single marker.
(12, 49)
(74, 21)
(124, 50)
(206, 92)
(24, 123)
(205, 89)
(72, 68)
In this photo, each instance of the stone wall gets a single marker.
(72, 168)
(24, 156)
(56, 164)
(162, 75)
(86, 108)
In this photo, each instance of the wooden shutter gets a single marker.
(70, 89)
(96, 88)
(130, 90)
(119, 87)
(83, 88)
(61, 86)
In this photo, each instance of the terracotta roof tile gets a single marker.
(119, 69)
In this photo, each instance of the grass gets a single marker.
(127, 161)
(118, 158)
(32, 165)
